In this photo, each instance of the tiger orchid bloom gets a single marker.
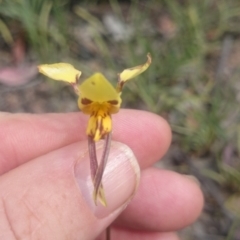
(99, 99)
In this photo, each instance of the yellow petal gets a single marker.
(60, 71)
(98, 89)
(99, 124)
(130, 73)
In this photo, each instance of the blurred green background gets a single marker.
(193, 81)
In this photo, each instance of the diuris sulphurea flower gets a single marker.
(98, 99)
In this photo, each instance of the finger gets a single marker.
(27, 136)
(165, 201)
(51, 197)
(126, 234)
(147, 134)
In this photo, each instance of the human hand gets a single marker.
(46, 188)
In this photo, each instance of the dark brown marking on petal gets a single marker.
(101, 127)
(120, 85)
(113, 102)
(97, 124)
(85, 101)
(93, 83)
(76, 78)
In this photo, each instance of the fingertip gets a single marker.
(166, 201)
(187, 204)
(147, 134)
(180, 199)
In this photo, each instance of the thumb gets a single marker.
(51, 197)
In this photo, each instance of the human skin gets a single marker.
(45, 184)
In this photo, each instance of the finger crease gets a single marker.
(6, 213)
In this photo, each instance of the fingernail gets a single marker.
(120, 178)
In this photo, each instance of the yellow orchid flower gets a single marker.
(99, 99)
